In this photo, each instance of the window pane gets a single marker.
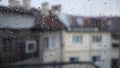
(97, 38)
(52, 42)
(96, 58)
(46, 42)
(77, 39)
(8, 45)
(74, 59)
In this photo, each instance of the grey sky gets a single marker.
(82, 7)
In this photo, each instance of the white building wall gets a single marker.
(87, 49)
(52, 54)
(87, 41)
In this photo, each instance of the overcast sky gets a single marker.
(82, 7)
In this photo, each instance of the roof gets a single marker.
(71, 23)
(77, 23)
(50, 22)
(17, 18)
(110, 24)
(18, 10)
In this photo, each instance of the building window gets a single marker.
(80, 21)
(31, 46)
(115, 45)
(95, 60)
(77, 39)
(97, 38)
(114, 63)
(115, 36)
(74, 59)
(52, 42)
(49, 42)
(8, 45)
(46, 42)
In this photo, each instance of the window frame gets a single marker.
(80, 21)
(73, 59)
(51, 44)
(11, 47)
(77, 39)
(46, 46)
(34, 49)
(97, 58)
(97, 38)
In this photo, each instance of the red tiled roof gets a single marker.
(111, 24)
(53, 22)
(50, 22)
(96, 22)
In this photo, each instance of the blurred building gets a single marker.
(20, 34)
(14, 3)
(26, 4)
(28, 35)
(83, 39)
(17, 40)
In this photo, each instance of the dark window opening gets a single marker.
(97, 38)
(31, 46)
(115, 45)
(46, 42)
(96, 58)
(114, 63)
(74, 59)
(8, 45)
(114, 36)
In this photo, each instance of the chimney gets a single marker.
(56, 9)
(14, 3)
(26, 4)
(45, 9)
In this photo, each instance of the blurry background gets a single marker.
(81, 7)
